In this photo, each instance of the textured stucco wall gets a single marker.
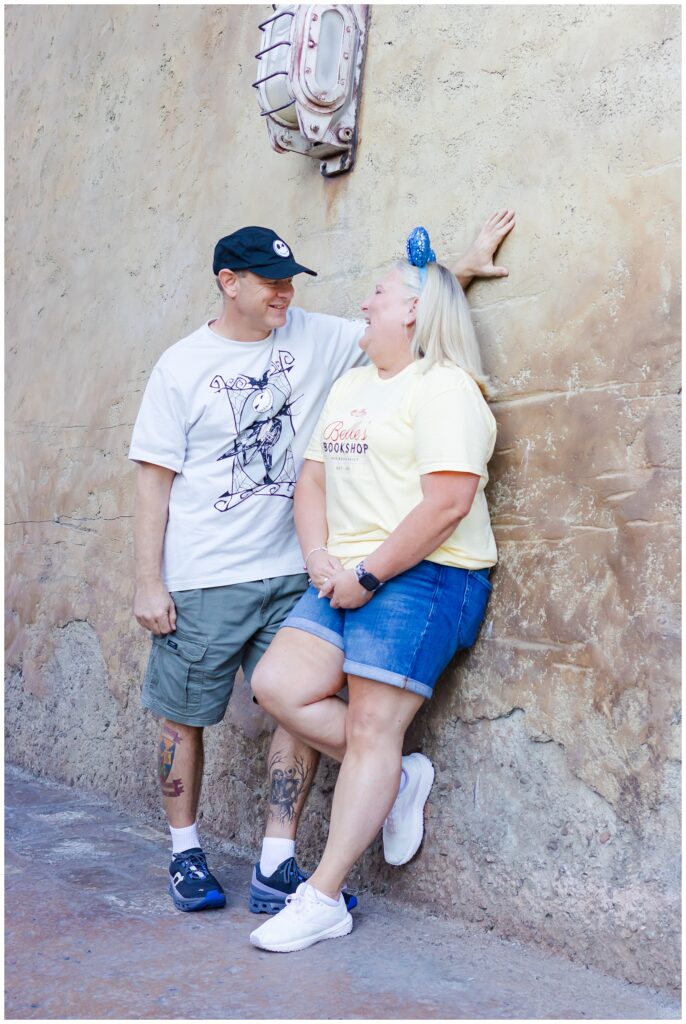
(133, 142)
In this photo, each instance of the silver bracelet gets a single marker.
(320, 548)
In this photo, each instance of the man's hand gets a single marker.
(345, 590)
(154, 608)
(322, 566)
(478, 260)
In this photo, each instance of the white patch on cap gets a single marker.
(281, 249)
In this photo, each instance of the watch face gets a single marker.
(368, 581)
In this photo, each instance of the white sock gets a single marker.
(326, 899)
(184, 838)
(274, 852)
(403, 780)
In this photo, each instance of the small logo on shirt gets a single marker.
(280, 248)
(358, 412)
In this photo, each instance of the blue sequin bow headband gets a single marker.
(419, 251)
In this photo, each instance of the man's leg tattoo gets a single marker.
(286, 785)
(165, 760)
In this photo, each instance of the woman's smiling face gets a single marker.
(389, 313)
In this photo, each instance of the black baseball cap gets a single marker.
(257, 249)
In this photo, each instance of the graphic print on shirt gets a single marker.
(261, 457)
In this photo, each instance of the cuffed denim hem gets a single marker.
(415, 624)
(316, 628)
(381, 675)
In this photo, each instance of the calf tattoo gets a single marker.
(286, 786)
(165, 760)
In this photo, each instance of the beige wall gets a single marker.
(134, 142)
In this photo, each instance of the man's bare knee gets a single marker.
(290, 745)
(167, 727)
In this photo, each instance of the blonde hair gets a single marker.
(443, 331)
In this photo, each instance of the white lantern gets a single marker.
(310, 70)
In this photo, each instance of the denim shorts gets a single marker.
(409, 631)
(190, 673)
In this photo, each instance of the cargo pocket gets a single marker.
(477, 592)
(175, 677)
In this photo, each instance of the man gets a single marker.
(220, 435)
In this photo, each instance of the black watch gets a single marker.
(366, 579)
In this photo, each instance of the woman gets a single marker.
(392, 519)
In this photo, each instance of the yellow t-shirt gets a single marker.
(377, 436)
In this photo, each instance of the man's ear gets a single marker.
(229, 282)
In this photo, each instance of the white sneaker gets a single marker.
(303, 921)
(404, 827)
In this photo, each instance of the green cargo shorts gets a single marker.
(191, 671)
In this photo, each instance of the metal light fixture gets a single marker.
(310, 71)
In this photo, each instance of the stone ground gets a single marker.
(91, 934)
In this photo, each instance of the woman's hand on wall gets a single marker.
(478, 260)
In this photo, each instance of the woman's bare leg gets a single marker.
(296, 681)
(378, 717)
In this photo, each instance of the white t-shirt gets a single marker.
(232, 419)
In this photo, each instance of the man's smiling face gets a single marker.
(262, 301)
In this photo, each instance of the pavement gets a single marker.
(92, 934)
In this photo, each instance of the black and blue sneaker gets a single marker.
(192, 886)
(268, 894)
